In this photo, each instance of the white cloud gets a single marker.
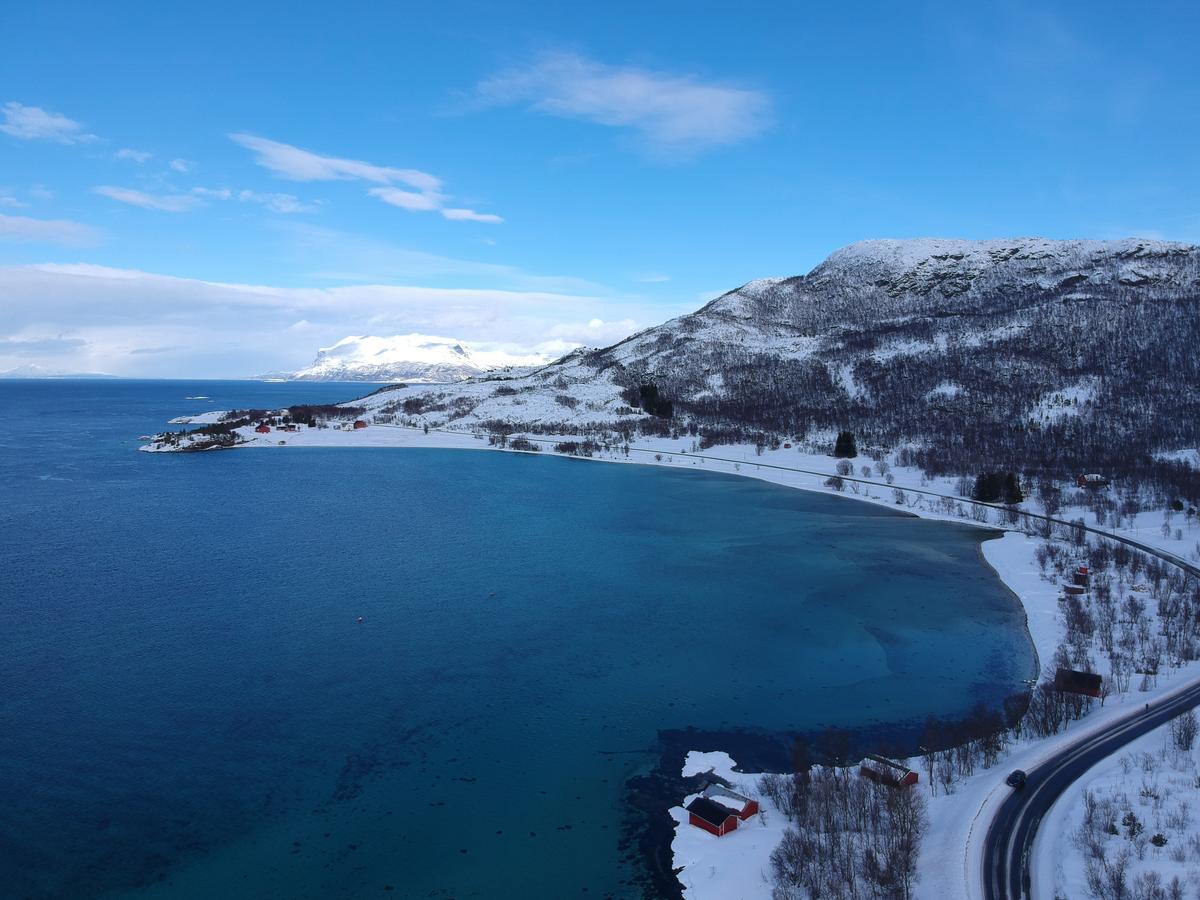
(678, 115)
(651, 277)
(422, 191)
(296, 164)
(164, 202)
(410, 200)
(34, 123)
(469, 215)
(41, 192)
(181, 165)
(200, 328)
(7, 199)
(22, 229)
(137, 156)
(280, 203)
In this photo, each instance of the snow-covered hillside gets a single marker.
(413, 358)
(1024, 354)
(939, 344)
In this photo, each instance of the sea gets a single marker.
(344, 673)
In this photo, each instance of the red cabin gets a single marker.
(264, 428)
(887, 771)
(359, 423)
(742, 806)
(1073, 682)
(712, 816)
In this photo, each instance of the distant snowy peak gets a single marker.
(413, 358)
(418, 358)
(32, 370)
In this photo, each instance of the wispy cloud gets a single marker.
(239, 329)
(39, 346)
(164, 202)
(22, 229)
(32, 123)
(296, 164)
(469, 215)
(674, 115)
(213, 193)
(421, 192)
(7, 199)
(181, 165)
(410, 200)
(137, 156)
(280, 203)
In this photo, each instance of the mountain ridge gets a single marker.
(1023, 352)
(414, 358)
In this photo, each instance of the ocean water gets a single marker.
(190, 708)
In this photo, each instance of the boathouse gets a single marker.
(887, 771)
(742, 806)
(713, 817)
(1073, 682)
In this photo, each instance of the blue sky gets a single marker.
(219, 189)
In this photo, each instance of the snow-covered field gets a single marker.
(736, 866)
(1159, 783)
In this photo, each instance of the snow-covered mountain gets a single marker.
(1024, 352)
(31, 370)
(412, 358)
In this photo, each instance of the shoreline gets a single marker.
(652, 818)
(954, 841)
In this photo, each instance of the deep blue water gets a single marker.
(189, 707)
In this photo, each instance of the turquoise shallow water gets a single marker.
(191, 708)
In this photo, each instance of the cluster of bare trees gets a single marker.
(848, 837)
(1111, 835)
(1139, 615)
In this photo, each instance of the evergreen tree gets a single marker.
(845, 447)
(1012, 489)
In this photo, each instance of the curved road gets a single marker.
(1009, 839)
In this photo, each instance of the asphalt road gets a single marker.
(1006, 850)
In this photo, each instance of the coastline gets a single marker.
(658, 832)
(951, 855)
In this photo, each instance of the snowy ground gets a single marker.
(1153, 779)
(736, 865)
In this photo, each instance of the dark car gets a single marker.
(1016, 779)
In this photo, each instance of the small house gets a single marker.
(742, 806)
(359, 423)
(1073, 682)
(1091, 481)
(263, 428)
(713, 817)
(882, 770)
(1081, 576)
(1075, 590)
